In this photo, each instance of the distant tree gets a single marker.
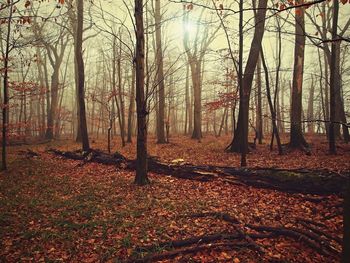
(323, 30)
(131, 107)
(195, 52)
(55, 51)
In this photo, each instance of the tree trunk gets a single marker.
(240, 134)
(259, 119)
(78, 137)
(197, 98)
(187, 101)
(41, 101)
(53, 105)
(141, 103)
(296, 135)
(334, 83)
(5, 106)
(160, 73)
(310, 108)
(131, 106)
(81, 76)
(272, 109)
(121, 107)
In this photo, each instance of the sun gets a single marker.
(189, 27)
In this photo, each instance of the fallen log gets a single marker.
(316, 182)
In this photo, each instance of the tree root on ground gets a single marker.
(247, 240)
(190, 250)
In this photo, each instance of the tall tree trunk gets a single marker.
(141, 103)
(223, 118)
(121, 98)
(240, 134)
(334, 74)
(197, 98)
(53, 105)
(310, 108)
(340, 111)
(131, 106)
(187, 101)
(78, 137)
(160, 74)
(259, 119)
(190, 110)
(41, 101)
(272, 109)
(282, 107)
(326, 91)
(48, 97)
(322, 91)
(5, 106)
(296, 135)
(81, 76)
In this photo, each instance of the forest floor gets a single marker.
(54, 209)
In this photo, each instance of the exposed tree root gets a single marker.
(305, 181)
(190, 250)
(189, 241)
(319, 231)
(237, 225)
(222, 240)
(298, 235)
(312, 239)
(302, 146)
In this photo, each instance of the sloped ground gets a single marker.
(53, 209)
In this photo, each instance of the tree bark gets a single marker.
(310, 108)
(296, 135)
(334, 83)
(131, 106)
(160, 73)
(81, 76)
(187, 101)
(240, 134)
(272, 110)
(121, 107)
(259, 119)
(53, 105)
(5, 106)
(141, 103)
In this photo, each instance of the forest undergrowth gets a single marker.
(53, 209)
